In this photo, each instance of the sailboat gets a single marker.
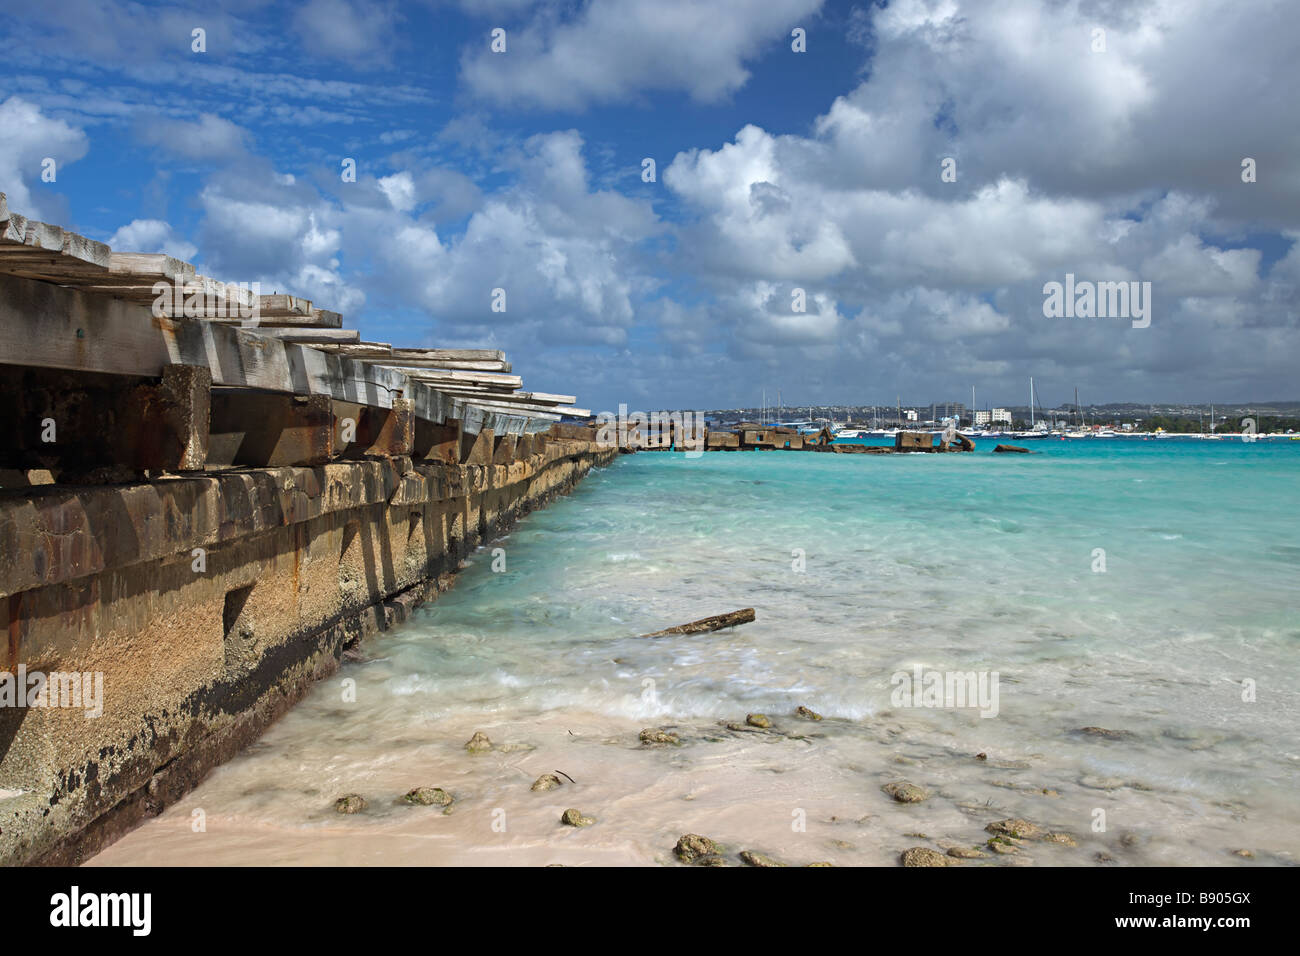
(1034, 430)
(1210, 435)
(1078, 431)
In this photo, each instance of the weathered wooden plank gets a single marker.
(529, 398)
(310, 336)
(704, 625)
(450, 355)
(146, 268)
(440, 364)
(362, 350)
(527, 411)
(448, 375)
(283, 305)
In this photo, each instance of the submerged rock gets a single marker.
(547, 781)
(905, 792)
(479, 743)
(429, 797)
(1105, 734)
(806, 713)
(1002, 846)
(1016, 828)
(821, 863)
(1244, 854)
(1062, 838)
(967, 853)
(758, 720)
(711, 861)
(652, 736)
(692, 847)
(924, 856)
(574, 818)
(352, 803)
(757, 859)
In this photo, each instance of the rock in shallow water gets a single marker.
(547, 781)
(758, 720)
(806, 713)
(1105, 734)
(905, 792)
(924, 856)
(352, 803)
(652, 736)
(757, 859)
(692, 847)
(479, 743)
(1016, 828)
(429, 797)
(574, 818)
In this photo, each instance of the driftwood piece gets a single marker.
(715, 623)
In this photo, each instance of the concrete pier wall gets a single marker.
(210, 604)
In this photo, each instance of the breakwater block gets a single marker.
(913, 441)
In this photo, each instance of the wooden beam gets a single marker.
(449, 355)
(361, 350)
(439, 364)
(56, 327)
(526, 411)
(144, 269)
(311, 336)
(528, 398)
(451, 376)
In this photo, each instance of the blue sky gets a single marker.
(777, 171)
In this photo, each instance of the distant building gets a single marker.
(983, 418)
(1000, 415)
(910, 414)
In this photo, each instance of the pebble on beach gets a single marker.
(479, 743)
(574, 818)
(547, 781)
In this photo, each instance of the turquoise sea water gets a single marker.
(859, 568)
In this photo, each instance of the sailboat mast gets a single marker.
(1031, 403)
